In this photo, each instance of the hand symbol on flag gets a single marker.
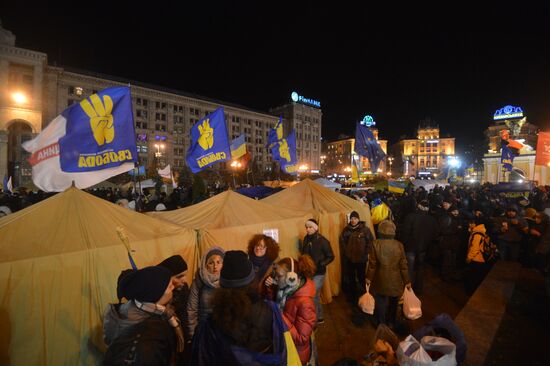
(283, 150)
(101, 119)
(206, 139)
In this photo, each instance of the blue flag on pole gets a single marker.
(507, 158)
(288, 166)
(367, 146)
(275, 134)
(209, 142)
(99, 132)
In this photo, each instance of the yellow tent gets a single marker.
(59, 263)
(331, 210)
(230, 219)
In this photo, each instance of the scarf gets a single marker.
(261, 264)
(287, 291)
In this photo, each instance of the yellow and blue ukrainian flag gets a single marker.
(238, 147)
(396, 186)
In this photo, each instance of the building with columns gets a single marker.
(515, 121)
(426, 155)
(34, 93)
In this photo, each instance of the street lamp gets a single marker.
(159, 153)
(19, 98)
(235, 165)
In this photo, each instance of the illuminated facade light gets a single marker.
(19, 98)
(508, 112)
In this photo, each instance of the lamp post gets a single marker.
(390, 161)
(159, 153)
(235, 165)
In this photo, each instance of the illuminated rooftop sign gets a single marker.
(368, 121)
(508, 112)
(301, 99)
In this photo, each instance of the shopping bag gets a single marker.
(411, 353)
(430, 351)
(412, 306)
(366, 302)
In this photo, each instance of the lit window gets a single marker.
(78, 91)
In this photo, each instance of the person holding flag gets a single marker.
(86, 144)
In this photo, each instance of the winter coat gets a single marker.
(515, 232)
(136, 337)
(299, 316)
(199, 304)
(318, 248)
(475, 245)
(387, 269)
(418, 231)
(257, 339)
(356, 236)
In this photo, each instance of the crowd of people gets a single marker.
(241, 303)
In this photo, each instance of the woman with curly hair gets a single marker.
(295, 293)
(262, 251)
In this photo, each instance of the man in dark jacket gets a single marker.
(144, 330)
(318, 248)
(355, 242)
(418, 232)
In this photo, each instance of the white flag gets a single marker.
(166, 172)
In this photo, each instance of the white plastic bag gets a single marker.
(366, 302)
(412, 353)
(412, 306)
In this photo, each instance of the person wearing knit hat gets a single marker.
(243, 328)
(387, 273)
(237, 270)
(207, 279)
(143, 328)
(355, 241)
(318, 248)
(178, 268)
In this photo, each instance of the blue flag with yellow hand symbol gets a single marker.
(367, 146)
(275, 134)
(209, 142)
(99, 132)
(284, 151)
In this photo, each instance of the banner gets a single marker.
(209, 142)
(285, 153)
(87, 143)
(543, 149)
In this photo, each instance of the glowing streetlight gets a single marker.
(19, 98)
(303, 167)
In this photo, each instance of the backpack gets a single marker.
(488, 248)
(356, 247)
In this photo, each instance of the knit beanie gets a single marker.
(387, 228)
(237, 270)
(146, 285)
(215, 251)
(176, 264)
(313, 223)
(354, 214)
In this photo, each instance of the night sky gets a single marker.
(400, 65)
